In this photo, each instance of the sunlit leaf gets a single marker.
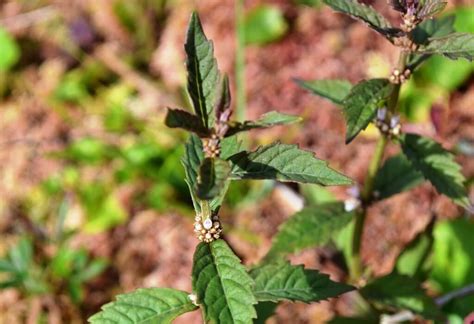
(333, 90)
(222, 285)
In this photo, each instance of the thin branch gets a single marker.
(458, 293)
(24, 20)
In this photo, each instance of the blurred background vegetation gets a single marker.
(92, 194)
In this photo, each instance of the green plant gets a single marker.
(421, 158)
(223, 288)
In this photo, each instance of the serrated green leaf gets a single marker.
(430, 8)
(191, 161)
(203, 73)
(311, 227)
(362, 103)
(284, 162)
(230, 146)
(333, 90)
(453, 46)
(267, 120)
(213, 174)
(176, 118)
(401, 292)
(395, 176)
(437, 165)
(145, 306)
(365, 13)
(280, 280)
(222, 285)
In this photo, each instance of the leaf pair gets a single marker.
(359, 103)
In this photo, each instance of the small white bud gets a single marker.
(207, 224)
(351, 204)
(193, 298)
(381, 113)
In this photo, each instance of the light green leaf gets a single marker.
(191, 161)
(365, 13)
(362, 103)
(176, 118)
(203, 74)
(145, 306)
(222, 285)
(284, 162)
(402, 292)
(413, 258)
(333, 90)
(213, 174)
(453, 46)
(437, 165)
(282, 281)
(395, 176)
(431, 8)
(269, 119)
(230, 146)
(264, 24)
(9, 49)
(311, 227)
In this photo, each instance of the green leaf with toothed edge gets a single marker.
(176, 118)
(269, 119)
(284, 162)
(365, 13)
(280, 280)
(333, 90)
(145, 306)
(311, 227)
(362, 103)
(222, 285)
(437, 165)
(203, 73)
(453, 46)
(213, 174)
(396, 175)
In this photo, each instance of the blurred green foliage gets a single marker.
(264, 24)
(9, 49)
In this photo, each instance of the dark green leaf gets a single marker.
(265, 310)
(191, 162)
(203, 74)
(282, 281)
(176, 118)
(453, 46)
(334, 90)
(395, 176)
(362, 103)
(311, 227)
(213, 175)
(148, 305)
(401, 292)
(222, 285)
(365, 13)
(433, 28)
(264, 24)
(437, 165)
(431, 8)
(284, 162)
(269, 119)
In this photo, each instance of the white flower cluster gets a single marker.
(390, 127)
(398, 77)
(207, 230)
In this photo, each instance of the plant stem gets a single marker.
(205, 210)
(240, 61)
(375, 163)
